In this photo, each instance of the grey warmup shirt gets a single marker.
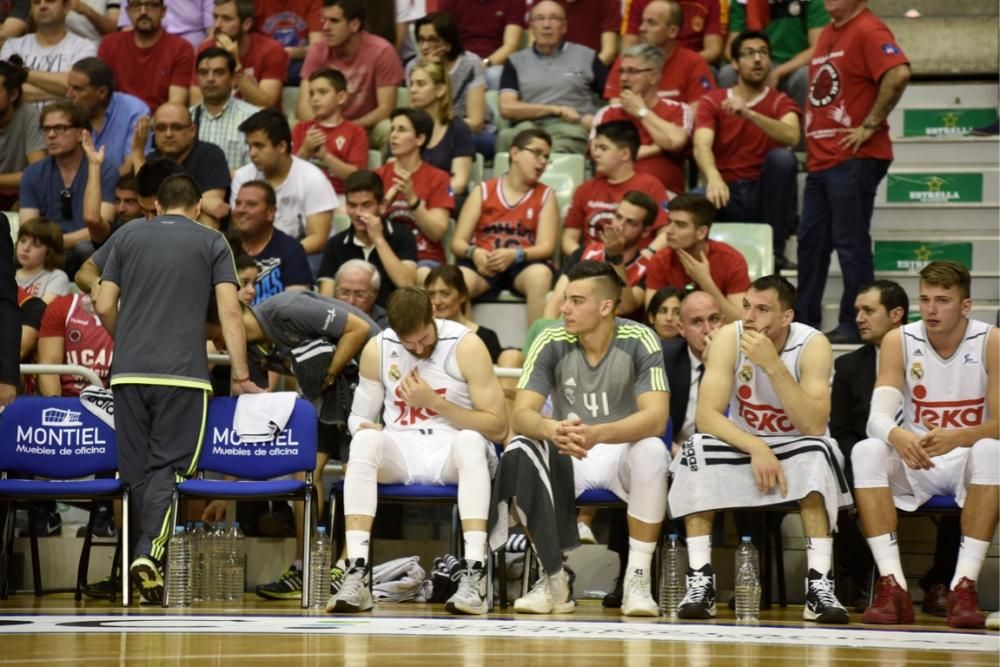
(166, 269)
(633, 365)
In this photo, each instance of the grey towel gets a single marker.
(541, 480)
(712, 475)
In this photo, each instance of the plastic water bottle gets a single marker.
(215, 561)
(179, 569)
(671, 582)
(198, 562)
(320, 560)
(747, 581)
(236, 560)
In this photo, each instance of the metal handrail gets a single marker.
(62, 369)
(501, 372)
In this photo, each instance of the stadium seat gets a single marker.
(289, 98)
(341, 222)
(58, 440)
(402, 97)
(256, 467)
(751, 239)
(477, 173)
(375, 160)
(493, 102)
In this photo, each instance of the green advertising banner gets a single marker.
(931, 188)
(915, 255)
(945, 122)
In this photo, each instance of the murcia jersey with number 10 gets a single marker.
(606, 392)
(440, 371)
(945, 393)
(754, 405)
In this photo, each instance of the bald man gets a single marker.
(175, 136)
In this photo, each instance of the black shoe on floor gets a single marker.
(838, 337)
(47, 524)
(782, 263)
(613, 600)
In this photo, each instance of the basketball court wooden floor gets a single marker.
(54, 630)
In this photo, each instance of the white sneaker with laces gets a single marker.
(549, 595)
(586, 534)
(353, 595)
(637, 599)
(470, 598)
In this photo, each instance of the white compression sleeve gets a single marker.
(367, 404)
(886, 402)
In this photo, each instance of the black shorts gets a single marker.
(502, 281)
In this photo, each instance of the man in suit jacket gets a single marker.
(881, 307)
(10, 318)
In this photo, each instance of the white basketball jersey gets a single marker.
(754, 405)
(946, 393)
(440, 371)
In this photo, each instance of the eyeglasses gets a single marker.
(539, 155)
(632, 71)
(547, 19)
(66, 197)
(162, 128)
(148, 6)
(763, 52)
(433, 39)
(61, 128)
(353, 294)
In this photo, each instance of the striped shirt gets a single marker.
(223, 129)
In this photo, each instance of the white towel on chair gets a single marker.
(261, 417)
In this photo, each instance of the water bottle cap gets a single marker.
(236, 524)
(199, 524)
(321, 530)
(745, 539)
(672, 537)
(179, 530)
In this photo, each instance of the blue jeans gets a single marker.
(837, 215)
(772, 198)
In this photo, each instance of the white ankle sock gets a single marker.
(640, 556)
(819, 554)
(885, 551)
(475, 546)
(971, 554)
(298, 564)
(357, 544)
(699, 551)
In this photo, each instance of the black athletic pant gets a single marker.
(159, 430)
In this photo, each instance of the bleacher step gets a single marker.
(960, 219)
(966, 151)
(968, 184)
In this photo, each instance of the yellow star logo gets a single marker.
(934, 183)
(950, 119)
(922, 254)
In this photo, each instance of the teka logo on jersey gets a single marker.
(762, 418)
(947, 414)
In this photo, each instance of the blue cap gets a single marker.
(745, 538)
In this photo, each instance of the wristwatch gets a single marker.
(614, 259)
(642, 112)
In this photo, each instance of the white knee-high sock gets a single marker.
(885, 551)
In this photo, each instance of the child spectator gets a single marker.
(330, 141)
(39, 256)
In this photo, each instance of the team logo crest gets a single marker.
(890, 49)
(569, 391)
(340, 141)
(917, 370)
(746, 373)
(74, 335)
(825, 86)
(394, 373)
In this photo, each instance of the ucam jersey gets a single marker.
(946, 393)
(755, 406)
(440, 371)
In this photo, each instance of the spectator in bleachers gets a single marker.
(369, 63)
(281, 261)
(854, 86)
(620, 244)
(552, 84)
(32, 310)
(743, 142)
(613, 148)
(127, 207)
(126, 204)
(54, 187)
(506, 232)
(492, 40)
(691, 258)
(295, 24)
(260, 63)
(21, 142)
(390, 247)
(148, 62)
(334, 144)
(71, 333)
(40, 258)
(188, 19)
(113, 115)
(92, 19)
(14, 19)
(686, 76)
(664, 312)
(792, 36)
(450, 299)
(247, 271)
(49, 52)
(358, 283)
(664, 124)
(438, 39)
(175, 136)
(220, 113)
(450, 145)
(407, 13)
(417, 195)
(306, 200)
(594, 24)
(10, 332)
(702, 30)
